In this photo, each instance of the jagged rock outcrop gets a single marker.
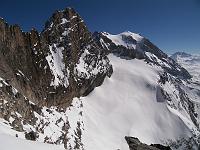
(135, 144)
(56, 65)
(16, 108)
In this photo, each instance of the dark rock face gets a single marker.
(16, 109)
(31, 136)
(159, 146)
(135, 144)
(52, 67)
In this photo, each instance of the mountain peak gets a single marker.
(127, 39)
(63, 17)
(59, 56)
(131, 45)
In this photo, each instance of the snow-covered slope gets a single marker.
(126, 104)
(10, 143)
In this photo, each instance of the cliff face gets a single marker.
(52, 67)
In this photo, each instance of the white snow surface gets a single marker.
(9, 142)
(118, 39)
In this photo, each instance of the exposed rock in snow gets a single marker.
(135, 144)
(10, 143)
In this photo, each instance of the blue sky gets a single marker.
(173, 25)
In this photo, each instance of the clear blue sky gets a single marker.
(173, 25)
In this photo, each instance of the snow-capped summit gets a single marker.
(126, 39)
(130, 45)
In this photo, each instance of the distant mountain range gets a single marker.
(189, 61)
